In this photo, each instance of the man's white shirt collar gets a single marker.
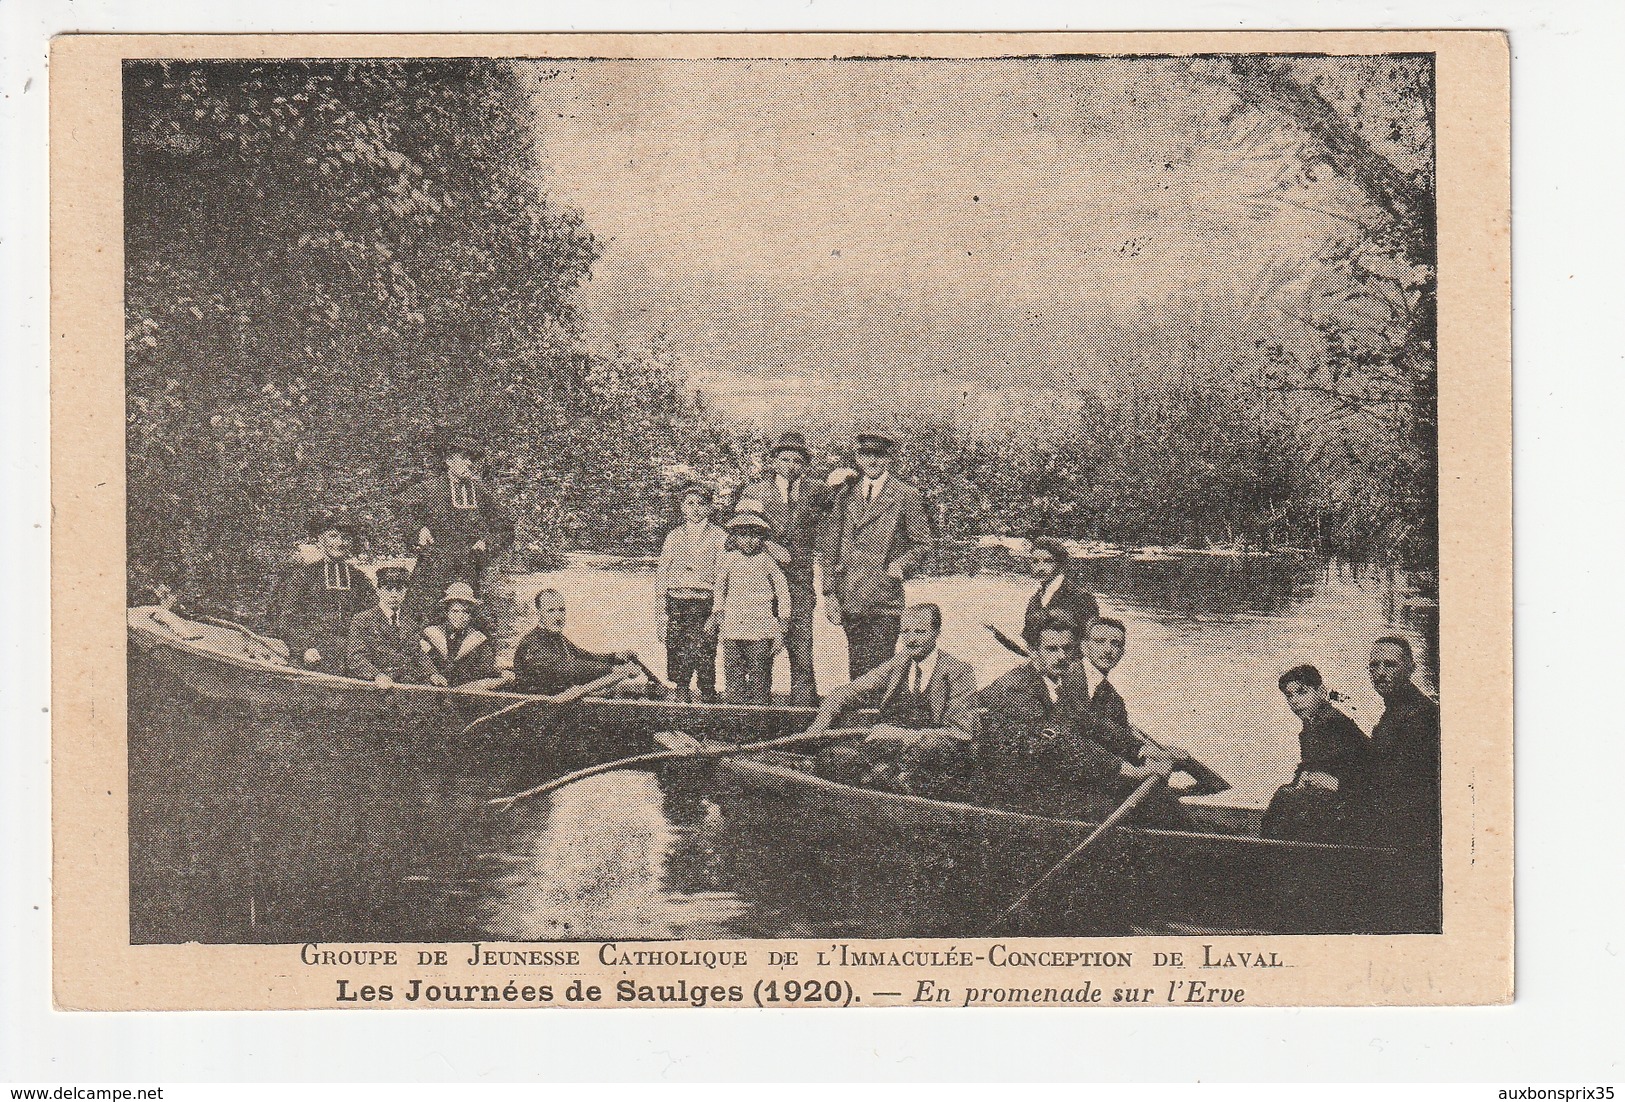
(928, 669)
(872, 488)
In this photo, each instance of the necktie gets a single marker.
(868, 493)
(916, 666)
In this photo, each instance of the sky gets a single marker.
(968, 237)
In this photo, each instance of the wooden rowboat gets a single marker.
(233, 666)
(958, 866)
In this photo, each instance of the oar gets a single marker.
(654, 678)
(569, 696)
(1123, 811)
(1208, 782)
(833, 734)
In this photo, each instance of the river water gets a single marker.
(275, 829)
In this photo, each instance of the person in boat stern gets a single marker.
(314, 603)
(1405, 779)
(752, 602)
(1032, 750)
(1056, 592)
(454, 521)
(457, 650)
(926, 700)
(1330, 778)
(877, 536)
(685, 582)
(795, 506)
(383, 643)
(546, 663)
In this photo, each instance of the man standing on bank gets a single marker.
(877, 536)
(794, 506)
(313, 605)
(454, 521)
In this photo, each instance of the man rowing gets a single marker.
(547, 663)
(312, 606)
(924, 697)
(1033, 751)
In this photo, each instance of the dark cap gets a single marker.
(448, 440)
(793, 442)
(393, 576)
(877, 442)
(331, 520)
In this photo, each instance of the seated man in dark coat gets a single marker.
(1331, 775)
(456, 651)
(546, 663)
(1032, 751)
(1404, 798)
(1056, 591)
(313, 604)
(383, 644)
(925, 697)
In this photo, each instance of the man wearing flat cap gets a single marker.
(795, 508)
(453, 521)
(311, 608)
(878, 535)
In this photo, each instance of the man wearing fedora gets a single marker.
(311, 608)
(877, 536)
(455, 651)
(795, 508)
(454, 522)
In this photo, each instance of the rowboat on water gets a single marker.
(233, 665)
(886, 853)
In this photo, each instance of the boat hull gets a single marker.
(958, 867)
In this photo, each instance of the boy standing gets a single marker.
(686, 586)
(749, 612)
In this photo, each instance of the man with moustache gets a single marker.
(878, 535)
(925, 698)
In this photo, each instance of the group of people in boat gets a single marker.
(1051, 736)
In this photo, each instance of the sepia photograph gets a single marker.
(855, 497)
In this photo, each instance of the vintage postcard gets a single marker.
(781, 520)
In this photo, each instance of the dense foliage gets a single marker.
(326, 259)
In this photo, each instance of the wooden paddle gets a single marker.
(559, 700)
(1208, 782)
(1123, 811)
(698, 750)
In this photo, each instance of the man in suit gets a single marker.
(383, 644)
(1404, 758)
(1033, 753)
(1056, 591)
(925, 698)
(455, 522)
(313, 604)
(795, 506)
(877, 536)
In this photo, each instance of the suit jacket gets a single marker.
(1404, 770)
(547, 663)
(1070, 598)
(863, 539)
(796, 528)
(950, 694)
(377, 647)
(472, 659)
(304, 613)
(1034, 755)
(428, 504)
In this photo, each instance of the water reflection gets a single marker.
(291, 828)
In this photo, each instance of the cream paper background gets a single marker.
(96, 968)
(1564, 1023)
